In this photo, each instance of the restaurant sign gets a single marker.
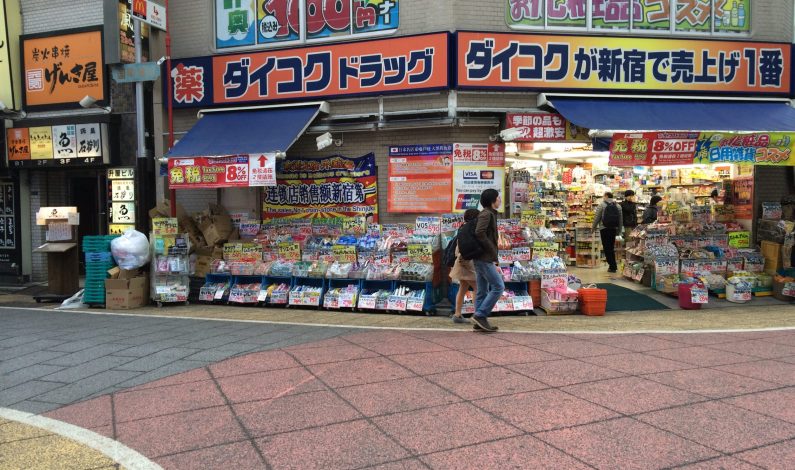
(527, 61)
(61, 68)
(57, 146)
(406, 64)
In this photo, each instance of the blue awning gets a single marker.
(245, 132)
(673, 115)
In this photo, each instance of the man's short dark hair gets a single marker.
(609, 195)
(488, 197)
(629, 193)
(471, 214)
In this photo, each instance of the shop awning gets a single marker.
(245, 132)
(675, 115)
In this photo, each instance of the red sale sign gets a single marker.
(653, 148)
(208, 172)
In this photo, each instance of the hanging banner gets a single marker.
(743, 197)
(61, 68)
(766, 148)
(545, 127)
(420, 178)
(491, 155)
(323, 188)
(221, 172)
(652, 148)
(406, 64)
(470, 181)
(544, 62)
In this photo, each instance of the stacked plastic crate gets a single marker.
(98, 261)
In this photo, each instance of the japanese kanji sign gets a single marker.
(208, 172)
(420, 178)
(60, 69)
(766, 148)
(524, 61)
(241, 23)
(10, 27)
(653, 148)
(692, 16)
(545, 127)
(370, 67)
(121, 198)
(323, 188)
(69, 144)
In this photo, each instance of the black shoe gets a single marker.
(612, 270)
(482, 324)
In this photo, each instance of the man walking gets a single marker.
(609, 221)
(489, 280)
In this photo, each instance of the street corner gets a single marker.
(30, 441)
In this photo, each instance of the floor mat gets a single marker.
(621, 299)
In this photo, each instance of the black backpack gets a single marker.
(611, 217)
(468, 244)
(449, 253)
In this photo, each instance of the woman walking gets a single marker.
(463, 274)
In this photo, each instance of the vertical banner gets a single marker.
(121, 200)
(743, 189)
(323, 188)
(420, 178)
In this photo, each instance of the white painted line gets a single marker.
(114, 450)
(398, 328)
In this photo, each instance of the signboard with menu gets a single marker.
(58, 146)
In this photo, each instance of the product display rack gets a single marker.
(588, 248)
(170, 268)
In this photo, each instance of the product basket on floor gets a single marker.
(593, 301)
(559, 301)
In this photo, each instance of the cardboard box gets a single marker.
(163, 209)
(125, 294)
(203, 266)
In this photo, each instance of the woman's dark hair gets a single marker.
(609, 195)
(714, 193)
(655, 200)
(488, 197)
(471, 214)
(629, 193)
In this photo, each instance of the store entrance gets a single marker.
(86, 194)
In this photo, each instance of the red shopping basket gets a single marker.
(593, 301)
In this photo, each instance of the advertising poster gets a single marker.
(743, 189)
(530, 61)
(420, 178)
(767, 148)
(323, 188)
(469, 181)
(653, 148)
(545, 127)
(235, 22)
(207, 172)
(491, 155)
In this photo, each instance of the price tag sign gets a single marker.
(533, 220)
(263, 295)
(666, 266)
(420, 253)
(522, 254)
(233, 251)
(740, 239)
(396, 303)
(249, 229)
(290, 251)
(522, 304)
(279, 297)
(347, 300)
(344, 253)
(544, 249)
(505, 256)
(789, 289)
(553, 278)
(367, 302)
(699, 295)
(415, 304)
(354, 225)
(426, 225)
(701, 214)
(165, 226)
(451, 222)
(296, 298)
(374, 230)
(312, 299)
(206, 294)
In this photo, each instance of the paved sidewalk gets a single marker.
(441, 400)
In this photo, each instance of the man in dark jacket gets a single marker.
(489, 279)
(629, 212)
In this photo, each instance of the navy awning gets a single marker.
(674, 115)
(245, 132)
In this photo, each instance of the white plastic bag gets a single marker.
(131, 250)
(75, 301)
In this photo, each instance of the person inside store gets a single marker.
(487, 275)
(714, 198)
(629, 212)
(463, 274)
(650, 214)
(609, 221)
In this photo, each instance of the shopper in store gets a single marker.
(650, 214)
(629, 212)
(488, 277)
(609, 221)
(714, 198)
(463, 274)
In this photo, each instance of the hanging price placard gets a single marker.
(420, 253)
(553, 278)
(354, 225)
(522, 254)
(740, 239)
(165, 226)
(344, 253)
(533, 220)
(452, 222)
(428, 225)
(666, 266)
(290, 251)
(505, 256)
(789, 289)
(699, 295)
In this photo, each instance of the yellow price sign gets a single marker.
(534, 220)
(420, 253)
(740, 239)
(354, 225)
(165, 226)
(119, 229)
(290, 251)
(233, 251)
(344, 253)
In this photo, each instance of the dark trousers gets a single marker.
(609, 246)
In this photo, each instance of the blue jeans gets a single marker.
(490, 287)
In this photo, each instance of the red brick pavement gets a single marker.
(413, 400)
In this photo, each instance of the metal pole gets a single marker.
(139, 95)
(170, 104)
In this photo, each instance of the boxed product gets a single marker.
(127, 293)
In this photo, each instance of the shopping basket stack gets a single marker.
(593, 301)
(98, 261)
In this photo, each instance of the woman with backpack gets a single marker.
(463, 273)
(650, 214)
(609, 220)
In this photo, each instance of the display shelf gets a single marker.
(428, 304)
(212, 291)
(307, 292)
(241, 296)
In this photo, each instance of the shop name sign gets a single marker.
(525, 61)
(52, 146)
(222, 172)
(150, 13)
(405, 64)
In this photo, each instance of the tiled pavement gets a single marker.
(429, 399)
